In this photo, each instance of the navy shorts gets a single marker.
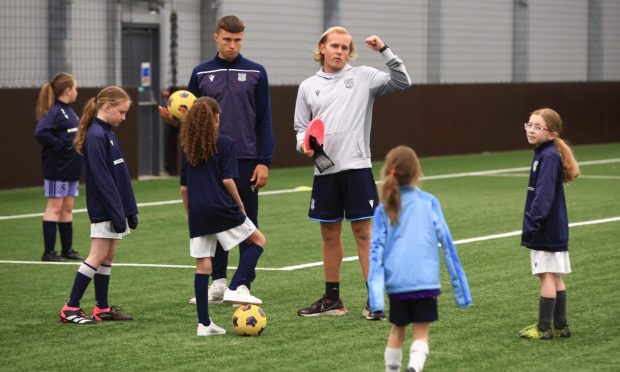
(405, 312)
(61, 189)
(350, 194)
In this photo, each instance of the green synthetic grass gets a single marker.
(482, 338)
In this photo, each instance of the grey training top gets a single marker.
(344, 100)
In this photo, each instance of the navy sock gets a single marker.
(201, 290)
(247, 264)
(102, 283)
(252, 274)
(545, 313)
(332, 291)
(66, 235)
(83, 277)
(559, 311)
(49, 235)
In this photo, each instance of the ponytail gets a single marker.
(51, 91)
(111, 95)
(88, 114)
(44, 101)
(569, 163)
(402, 168)
(554, 123)
(390, 197)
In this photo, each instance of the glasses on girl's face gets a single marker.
(536, 127)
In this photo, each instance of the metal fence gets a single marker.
(441, 41)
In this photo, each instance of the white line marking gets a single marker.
(313, 264)
(581, 177)
(306, 189)
(594, 177)
(509, 170)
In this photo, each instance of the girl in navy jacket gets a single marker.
(545, 221)
(62, 166)
(110, 202)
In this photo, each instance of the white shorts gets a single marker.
(104, 230)
(204, 246)
(549, 262)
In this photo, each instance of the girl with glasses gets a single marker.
(545, 221)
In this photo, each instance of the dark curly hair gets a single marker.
(199, 131)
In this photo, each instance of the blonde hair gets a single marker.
(199, 131)
(52, 90)
(320, 58)
(113, 96)
(402, 168)
(554, 123)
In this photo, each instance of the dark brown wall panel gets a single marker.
(469, 118)
(20, 154)
(433, 119)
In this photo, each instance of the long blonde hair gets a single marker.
(52, 90)
(554, 123)
(110, 95)
(402, 168)
(320, 58)
(199, 131)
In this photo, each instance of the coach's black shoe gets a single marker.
(72, 255)
(52, 257)
(324, 307)
(373, 315)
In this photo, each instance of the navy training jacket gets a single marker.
(109, 195)
(545, 220)
(241, 88)
(56, 131)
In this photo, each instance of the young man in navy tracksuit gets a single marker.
(241, 88)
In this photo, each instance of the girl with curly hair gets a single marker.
(214, 208)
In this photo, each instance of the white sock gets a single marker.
(219, 282)
(393, 359)
(417, 355)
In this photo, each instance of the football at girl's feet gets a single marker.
(180, 102)
(249, 320)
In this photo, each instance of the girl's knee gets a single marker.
(257, 238)
(261, 240)
(203, 265)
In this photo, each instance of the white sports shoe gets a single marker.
(240, 296)
(216, 293)
(210, 330)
